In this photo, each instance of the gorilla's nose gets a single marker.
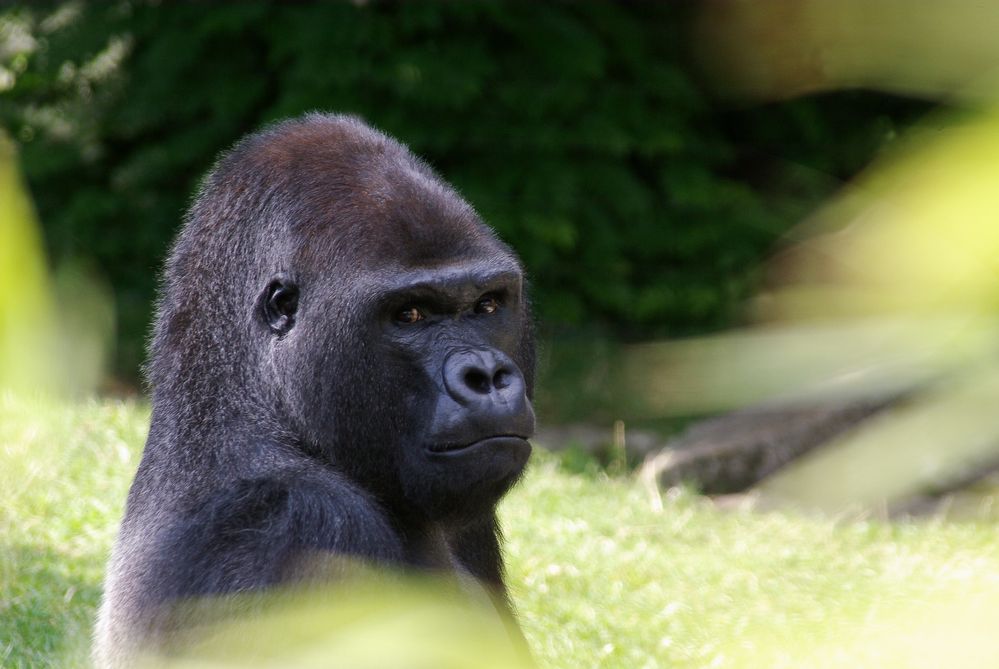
(483, 376)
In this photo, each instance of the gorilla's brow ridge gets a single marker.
(453, 286)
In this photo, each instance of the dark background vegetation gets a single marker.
(582, 132)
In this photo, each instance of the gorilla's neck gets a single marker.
(425, 545)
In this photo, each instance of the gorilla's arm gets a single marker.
(258, 533)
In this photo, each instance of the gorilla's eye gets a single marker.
(487, 304)
(280, 305)
(409, 315)
(284, 301)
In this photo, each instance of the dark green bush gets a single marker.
(576, 129)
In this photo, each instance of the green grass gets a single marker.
(64, 474)
(603, 575)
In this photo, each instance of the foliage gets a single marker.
(576, 129)
(603, 571)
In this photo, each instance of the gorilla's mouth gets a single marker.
(498, 441)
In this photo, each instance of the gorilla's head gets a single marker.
(354, 307)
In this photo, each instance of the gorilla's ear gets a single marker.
(278, 304)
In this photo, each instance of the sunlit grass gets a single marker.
(64, 472)
(606, 580)
(599, 575)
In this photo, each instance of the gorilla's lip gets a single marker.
(499, 440)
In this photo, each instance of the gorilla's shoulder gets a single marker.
(254, 532)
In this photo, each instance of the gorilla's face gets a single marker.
(411, 369)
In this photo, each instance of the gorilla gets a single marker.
(341, 365)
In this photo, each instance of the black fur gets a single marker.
(296, 412)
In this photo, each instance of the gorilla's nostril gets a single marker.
(482, 378)
(477, 380)
(502, 379)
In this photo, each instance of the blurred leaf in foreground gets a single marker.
(27, 307)
(891, 289)
(368, 623)
(784, 48)
(54, 331)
